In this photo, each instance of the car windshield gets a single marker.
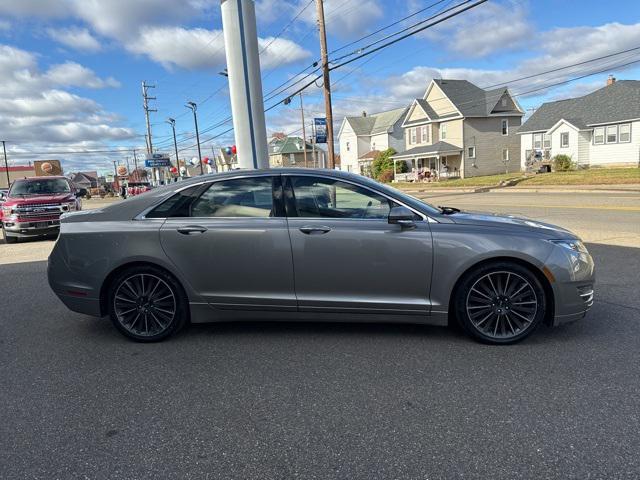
(45, 186)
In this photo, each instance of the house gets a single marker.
(86, 180)
(460, 130)
(285, 151)
(598, 129)
(360, 136)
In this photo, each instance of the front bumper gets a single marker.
(573, 288)
(31, 228)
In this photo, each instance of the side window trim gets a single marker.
(290, 197)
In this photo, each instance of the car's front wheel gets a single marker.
(10, 238)
(147, 304)
(500, 303)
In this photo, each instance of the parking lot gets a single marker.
(321, 400)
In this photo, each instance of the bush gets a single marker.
(383, 163)
(402, 167)
(563, 163)
(386, 176)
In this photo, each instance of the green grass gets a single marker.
(593, 176)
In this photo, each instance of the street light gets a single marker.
(194, 107)
(172, 122)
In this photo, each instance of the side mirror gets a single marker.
(401, 216)
(81, 193)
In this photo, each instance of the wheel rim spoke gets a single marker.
(502, 304)
(144, 304)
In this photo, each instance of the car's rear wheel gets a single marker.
(500, 303)
(147, 304)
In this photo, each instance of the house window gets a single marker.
(505, 126)
(413, 136)
(505, 155)
(443, 131)
(625, 133)
(537, 141)
(546, 141)
(598, 135)
(424, 134)
(564, 139)
(373, 145)
(348, 146)
(292, 158)
(612, 134)
(471, 152)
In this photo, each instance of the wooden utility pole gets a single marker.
(304, 135)
(327, 83)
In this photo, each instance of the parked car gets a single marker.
(33, 206)
(314, 244)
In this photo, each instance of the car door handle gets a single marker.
(190, 229)
(315, 230)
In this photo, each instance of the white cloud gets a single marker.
(35, 109)
(34, 8)
(76, 38)
(121, 19)
(198, 48)
(72, 74)
(345, 18)
(483, 30)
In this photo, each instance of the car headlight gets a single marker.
(7, 211)
(68, 207)
(574, 245)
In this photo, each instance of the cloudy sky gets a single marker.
(70, 70)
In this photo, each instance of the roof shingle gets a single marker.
(613, 103)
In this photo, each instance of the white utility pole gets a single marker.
(245, 83)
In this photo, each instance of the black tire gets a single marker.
(150, 306)
(10, 238)
(500, 303)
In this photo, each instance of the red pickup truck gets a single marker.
(33, 206)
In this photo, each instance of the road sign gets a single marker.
(320, 125)
(157, 160)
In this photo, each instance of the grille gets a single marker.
(41, 210)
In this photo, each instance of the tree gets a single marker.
(383, 163)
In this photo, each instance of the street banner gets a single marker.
(157, 160)
(320, 125)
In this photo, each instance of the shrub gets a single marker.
(563, 163)
(382, 163)
(402, 167)
(386, 176)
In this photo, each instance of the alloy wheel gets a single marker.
(145, 305)
(502, 305)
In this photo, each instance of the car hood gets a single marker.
(510, 221)
(39, 199)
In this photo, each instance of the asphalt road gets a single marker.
(285, 400)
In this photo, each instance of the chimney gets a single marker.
(364, 114)
(611, 80)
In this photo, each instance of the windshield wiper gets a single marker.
(449, 210)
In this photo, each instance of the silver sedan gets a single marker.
(314, 244)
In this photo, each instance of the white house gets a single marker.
(360, 137)
(598, 129)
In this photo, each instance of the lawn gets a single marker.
(594, 176)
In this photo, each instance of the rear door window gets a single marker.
(240, 197)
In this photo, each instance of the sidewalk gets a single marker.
(614, 188)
